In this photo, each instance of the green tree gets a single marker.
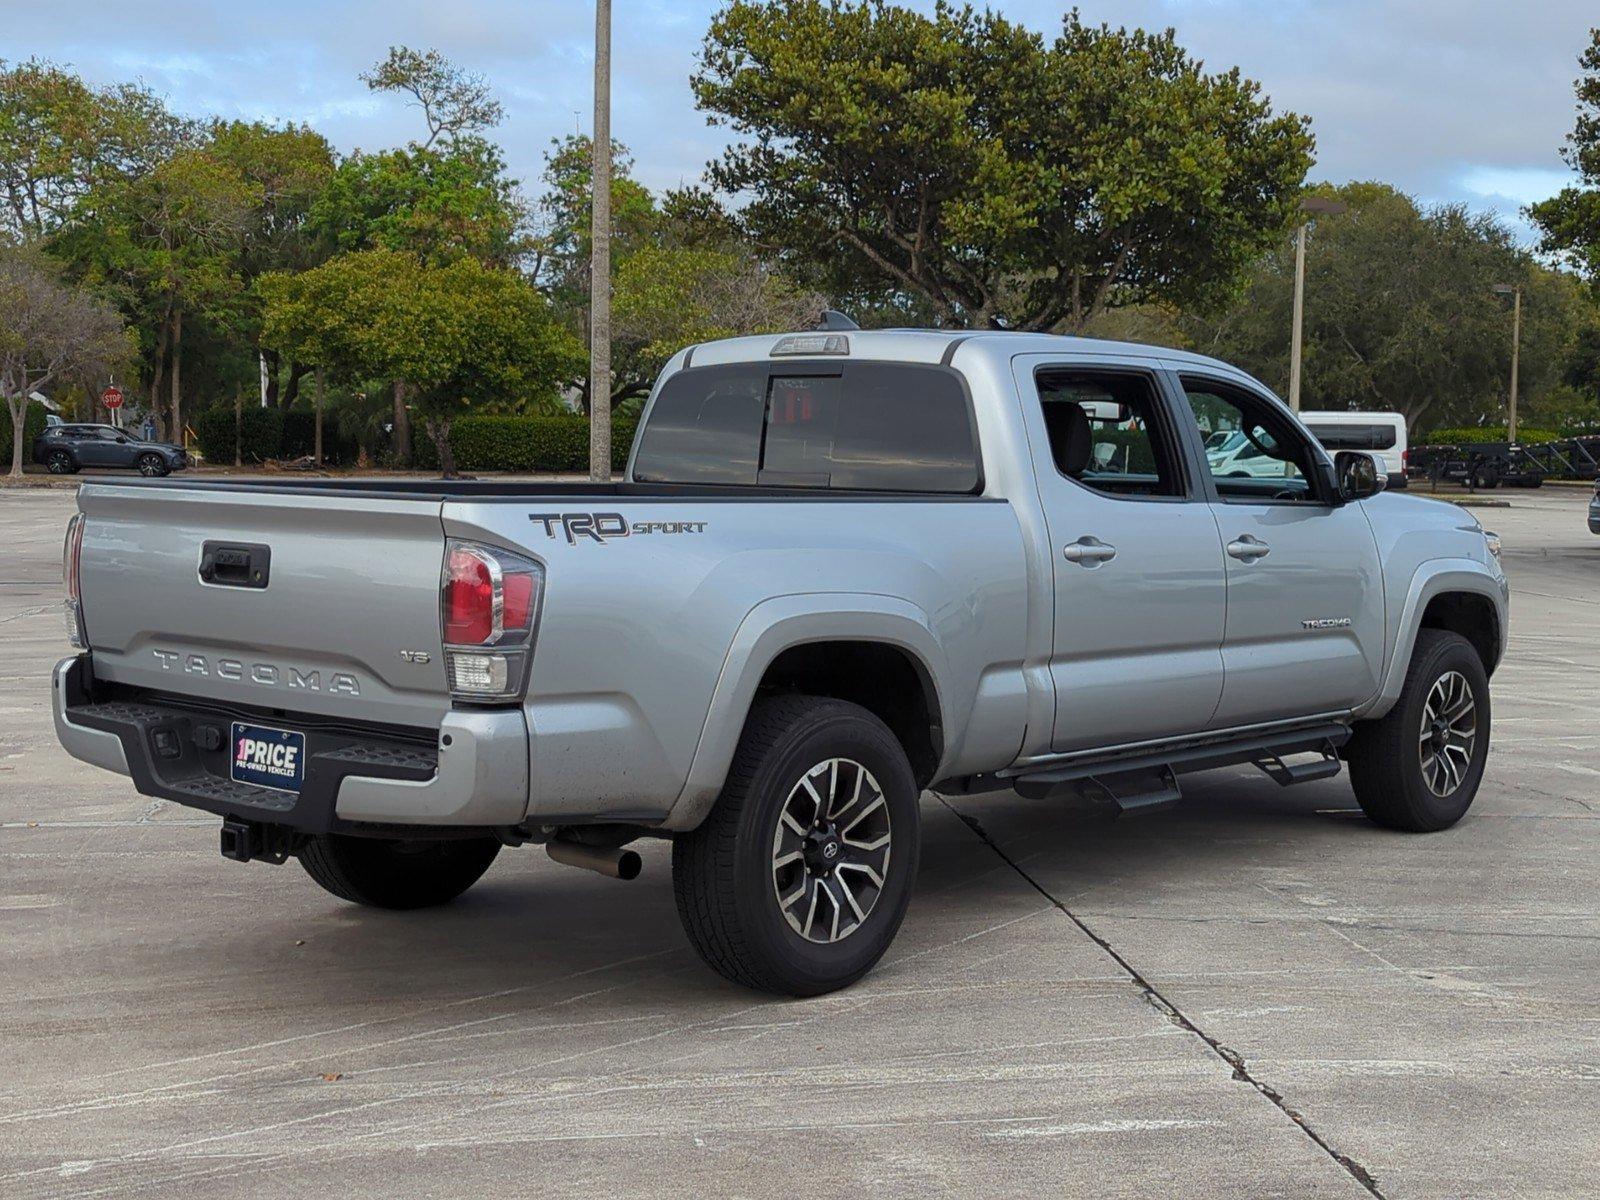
(436, 200)
(168, 244)
(1400, 314)
(51, 334)
(436, 205)
(454, 103)
(681, 273)
(562, 215)
(1570, 220)
(287, 169)
(669, 297)
(458, 336)
(997, 180)
(60, 138)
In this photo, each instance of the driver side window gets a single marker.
(1253, 454)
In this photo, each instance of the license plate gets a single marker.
(269, 758)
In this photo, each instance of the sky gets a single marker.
(1450, 100)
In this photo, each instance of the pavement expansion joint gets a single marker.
(1152, 995)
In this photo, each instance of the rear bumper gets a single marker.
(473, 773)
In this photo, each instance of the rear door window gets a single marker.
(860, 426)
(1107, 431)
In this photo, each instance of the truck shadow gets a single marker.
(537, 936)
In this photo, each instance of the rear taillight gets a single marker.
(489, 607)
(71, 556)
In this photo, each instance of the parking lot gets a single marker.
(1255, 993)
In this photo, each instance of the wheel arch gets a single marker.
(868, 649)
(1454, 595)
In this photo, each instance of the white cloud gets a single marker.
(1516, 185)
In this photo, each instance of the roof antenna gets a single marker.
(834, 321)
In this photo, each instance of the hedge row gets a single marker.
(32, 426)
(536, 445)
(1493, 433)
(267, 433)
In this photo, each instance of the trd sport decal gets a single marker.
(603, 526)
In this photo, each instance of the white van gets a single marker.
(1382, 433)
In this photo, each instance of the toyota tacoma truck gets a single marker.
(842, 568)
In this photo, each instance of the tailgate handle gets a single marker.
(235, 564)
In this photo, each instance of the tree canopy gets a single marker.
(998, 179)
(1570, 220)
(681, 271)
(454, 103)
(946, 167)
(458, 336)
(1400, 313)
(60, 138)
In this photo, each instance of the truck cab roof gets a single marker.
(940, 345)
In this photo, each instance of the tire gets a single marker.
(727, 874)
(1389, 760)
(1484, 478)
(396, 874)
(60, 462)
(152, 465)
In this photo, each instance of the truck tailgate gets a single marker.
(346, 625)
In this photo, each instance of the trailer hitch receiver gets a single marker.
(246, 841)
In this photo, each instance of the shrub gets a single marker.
(534, 445)
(32, 426)
(260, 434)
(1476, 435)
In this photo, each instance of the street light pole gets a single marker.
(1309, 207)
(600, 254)
(1299, 316)
(1516, 351)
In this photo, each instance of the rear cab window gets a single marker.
(860, 425)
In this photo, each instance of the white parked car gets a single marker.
(1231, 454)
(1379, 433)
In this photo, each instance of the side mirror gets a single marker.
(122, 441)
(1357, 474)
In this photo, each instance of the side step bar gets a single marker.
(1135, 782)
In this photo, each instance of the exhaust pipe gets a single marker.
(614, 861)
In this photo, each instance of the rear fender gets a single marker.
(769, 629)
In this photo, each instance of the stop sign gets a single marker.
(111, 397)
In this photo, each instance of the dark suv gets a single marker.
(69, 448)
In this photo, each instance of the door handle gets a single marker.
(1248, 549)
(1088, 552)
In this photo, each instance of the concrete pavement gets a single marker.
(1253, 994)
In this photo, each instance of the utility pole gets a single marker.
(1299, 316)
(600, 255)
(1309, 206)
(1515, 292)
(1516, 348)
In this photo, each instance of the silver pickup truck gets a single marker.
(843, 567)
